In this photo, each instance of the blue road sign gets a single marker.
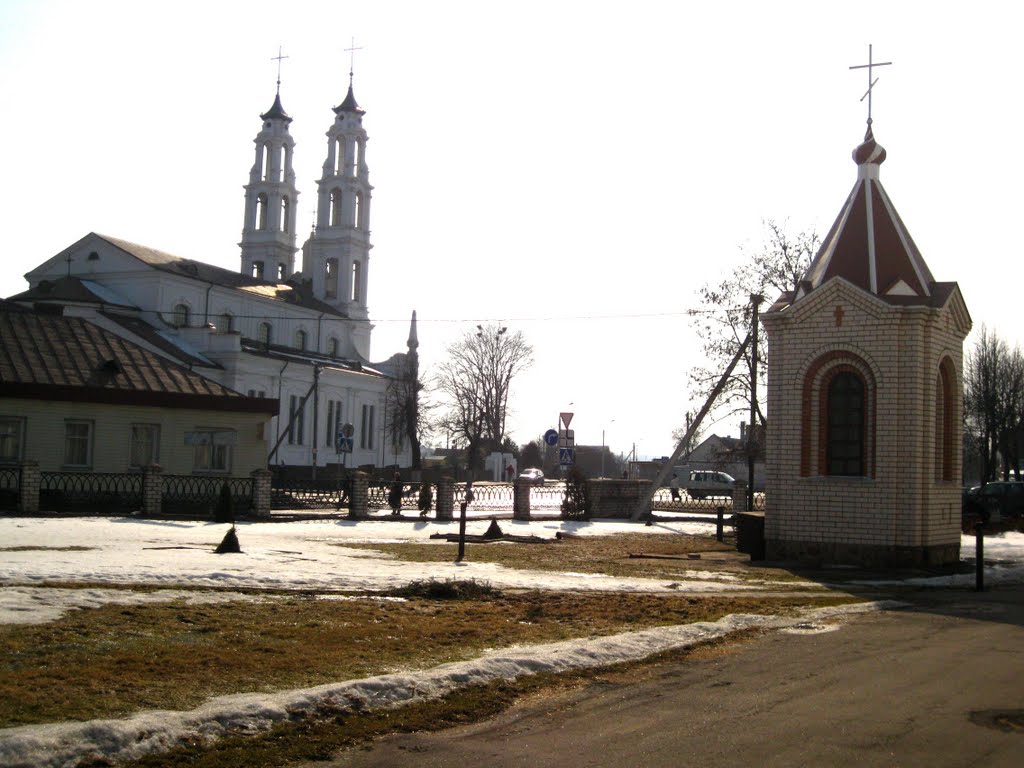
(566, 456)
(551, 437)
(343, 444)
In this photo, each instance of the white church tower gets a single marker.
(268, 232)
(337, 255)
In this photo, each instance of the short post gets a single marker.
(979, 557)
(719, 523)
(462, 521)
(445, 499)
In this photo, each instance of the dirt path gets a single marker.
(929, 686)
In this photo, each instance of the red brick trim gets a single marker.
(814, 424)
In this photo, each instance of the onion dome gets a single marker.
(870, 151)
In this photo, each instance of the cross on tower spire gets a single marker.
(278, 59)
(351, 50)
(871, 83)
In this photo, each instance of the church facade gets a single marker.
(865, 395)
(299, 334)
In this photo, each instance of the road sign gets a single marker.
(343, 444)
(348, 430)
(566, 438)
(566, 418)
(566, 456)
(551, 437)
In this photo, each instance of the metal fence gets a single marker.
(10, 488)
(92, 492)
(663, 502)
(196, 496)
(297, 495)
(378, 495)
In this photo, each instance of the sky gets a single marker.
(117, 555)
(575, 171)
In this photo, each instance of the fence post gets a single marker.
(979, 557)
(28, 484)
(445, 498)
(152, 490)
(261, 492)
(359, 498)
(718, 524)
(521, 498)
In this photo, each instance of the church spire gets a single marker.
(340, 246)
(268, 229)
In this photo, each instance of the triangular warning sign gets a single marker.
(566, 418)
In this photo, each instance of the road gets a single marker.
(929, 685)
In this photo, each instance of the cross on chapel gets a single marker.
(871, 83)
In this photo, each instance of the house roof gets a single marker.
(47, 356)
(869, 245)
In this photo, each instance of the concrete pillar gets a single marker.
(152, 490)
(521, 502)
(29, 486)
(260, 492)
(445, 502)
(359, 501)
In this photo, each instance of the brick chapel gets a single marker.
(865, 392)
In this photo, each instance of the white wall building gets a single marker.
(272, 330)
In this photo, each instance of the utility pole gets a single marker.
(755, 302)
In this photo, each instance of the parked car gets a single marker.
(533, 474)
(997, 499)
(704, 483)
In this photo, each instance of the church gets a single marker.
(295, 333)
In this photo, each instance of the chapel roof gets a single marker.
(869, 245)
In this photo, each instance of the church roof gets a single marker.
(869, 245)
(349, 104)
(46, 356)
(276, 111)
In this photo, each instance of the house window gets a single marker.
(78, 443)
(212, 449)
(12, 430)
(944, 421)
(145, 447)
(180, 316)
(366, 428)
(845, 425)
(300, 340)
(296, 424)
(332, 346)
(264, 335)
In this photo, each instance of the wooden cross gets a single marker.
(278, 60)
(871, 83)
(839, 315)
(352, 61)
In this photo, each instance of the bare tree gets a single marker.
(774, 268)
(475, 381)
(408, 413)
(994, 403)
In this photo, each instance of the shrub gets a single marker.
(449, 589)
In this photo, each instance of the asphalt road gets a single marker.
(937, 684)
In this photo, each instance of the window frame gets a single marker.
(845, 420)
(89, 441)
(16, 436)
(154, 444)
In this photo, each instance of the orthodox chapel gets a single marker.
(296, 331)
(865, 395)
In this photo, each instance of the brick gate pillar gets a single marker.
(29, 486)
(152, 490)
(445, 498)
(521, 499)
(359, 500)
(261, 492)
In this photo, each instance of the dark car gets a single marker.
(1001, 498)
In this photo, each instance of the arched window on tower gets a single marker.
(261, 211)
(282, 271)
(335, 208)
(301, 340)
(332, 346)
(945, 403)
(331, 279)
(339, 157)
(265, 162)
(845, 421)
(284, 221)
(180, 316)
(226, 323)
(357, 157)
(257, 270)
(264, 334)
(357, 211)
(356, 270)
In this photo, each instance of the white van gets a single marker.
(707, 483)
